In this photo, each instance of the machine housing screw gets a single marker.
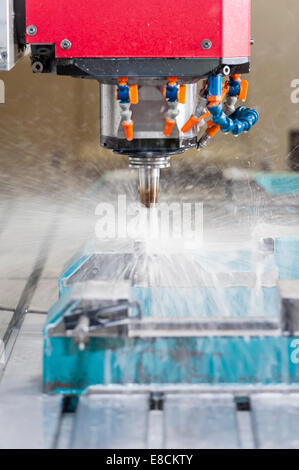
(226, 70)
(65, 44)
(37, 67)
(31, 30)
(206, 44)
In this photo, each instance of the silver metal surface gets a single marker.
(121, 266)
(31, 30)
(115, 417)
(8, 50)
(28, 419)
(103, 309)
(101, 290)
(155, 430)
(205, 422)
(65, 44)
(148, 114)
(275, 421)
(111, 422)
(5, 317)
(149, 179)
(245, 429)
(203, 419)
(199, 327)
(122, 421)
(178, 328)
(132, 269)
(206, 44)
(236, 390)
(150, 162)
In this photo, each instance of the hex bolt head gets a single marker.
(31, 30)
(65, 44)
(206, 44)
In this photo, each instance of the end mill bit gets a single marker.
(149, 167)
(149, 185)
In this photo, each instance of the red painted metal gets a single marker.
(142, 28)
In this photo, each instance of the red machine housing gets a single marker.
(142, 28)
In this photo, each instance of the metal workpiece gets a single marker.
(185, 319)
(113, 267)
(95, 308)
(120, 263)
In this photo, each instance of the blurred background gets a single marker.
(50, 125)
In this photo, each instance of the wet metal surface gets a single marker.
(29, 419)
